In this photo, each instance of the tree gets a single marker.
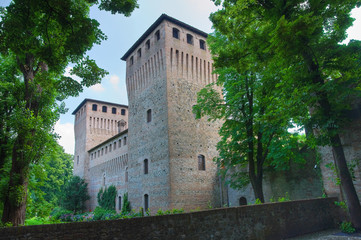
(106, 197)
(47, 181)
(75, 195)
(126, 204)
(44, 37)
(254, 133)
(303, 39)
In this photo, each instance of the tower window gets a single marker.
(242, 201)
(125, 141)
(145, 166)
(122, 112)
(102, 151)
(157, 35)
(115, 145)
(94, 107)
(126, 175)
(114, 110)
(149, 115)
(201, 163)
(104, 109)
(139, 52)
(119, 203)
(146, 202)
(176, 33)
(120, 143)
(106, 149)
(202, 44)
(110, 147)
(147, 43)
(98, 153)
(189, 39)
(131, 60)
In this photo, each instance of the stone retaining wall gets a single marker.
(266, 221)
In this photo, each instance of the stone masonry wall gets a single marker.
(259, 222)
(189, 69)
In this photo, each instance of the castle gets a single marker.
(154, 149)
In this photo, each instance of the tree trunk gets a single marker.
(352, 200)
(15, 199)
(258, 188)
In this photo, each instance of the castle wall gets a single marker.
(146, 84)
(351, 142)
(189, 69)
(109, 166)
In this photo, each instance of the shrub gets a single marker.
(106, 198)
(346, 227)
(126, 204)
(103, 214)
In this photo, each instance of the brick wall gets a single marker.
(267, 221)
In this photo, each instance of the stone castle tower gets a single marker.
(170, 153)
(95, 122)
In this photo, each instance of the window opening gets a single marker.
(175, 33)
(139, 52)
(189, 39)
(147, 43)
(119, 203)
(157, 35)
(201, 163)
(131, 60)
(94, 107)
(146, 202)
(122, 112)
(104, 109)
(202, 44)
(114, 110)
(149, 115)
(145, 166)
(125, 141)
(242, 201)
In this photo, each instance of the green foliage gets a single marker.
(75, 195)
(106, 197)
(160, 212)
(258, 201)
(38, 40)
(342, 205)
(103, 214)
(126, 204)
(346, 227)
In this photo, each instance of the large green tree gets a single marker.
(303, 39)
(44, 37)
(254, 135)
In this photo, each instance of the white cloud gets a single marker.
(66, 132)
(114, 80)
(97, 88)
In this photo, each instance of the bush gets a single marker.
(106, 198)
(103, 214)
(58, 212)
(126, 204)
(346, 227)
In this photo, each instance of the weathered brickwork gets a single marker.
(259, 222)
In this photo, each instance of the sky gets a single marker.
(122, 32)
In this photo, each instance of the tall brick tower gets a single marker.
(170, 153)
(95, 122)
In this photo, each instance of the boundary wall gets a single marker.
(266, 221)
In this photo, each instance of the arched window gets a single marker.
(176, 33)
(149, 115)
(242, 201)
(122, 112)
(104, 109)
(201, 162)
(139, 52)
(94, 107)
(145, 163)
(114, 110)
(147, 43)
(126, 175)
(131, 60)
(119, 203)
(189, 39)
(146, 202)
(125, 141)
